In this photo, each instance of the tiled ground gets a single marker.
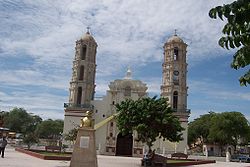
(16, 159)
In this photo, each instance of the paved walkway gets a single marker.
(16, 159)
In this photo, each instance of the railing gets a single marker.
(72, 105)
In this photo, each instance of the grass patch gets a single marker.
(55, 154)
(64, 154)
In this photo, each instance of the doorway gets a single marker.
(124, 145)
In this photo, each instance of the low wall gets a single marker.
(41, 156)
(192, 162)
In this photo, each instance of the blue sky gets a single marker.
(38, 39)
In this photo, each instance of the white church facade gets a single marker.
(82, 88)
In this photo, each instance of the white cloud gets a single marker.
(154, 84)
(197, 113)
(34, 78)
(127, 32)
(42, 104)
(101, 88)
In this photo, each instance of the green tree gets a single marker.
(237, 33)
(151, 118)
(30, 139)
(199, 128)
(71, 135)
(50, 129)
(20, 121)
(229, 128)
(3, 116)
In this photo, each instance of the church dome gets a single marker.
(134, 85)
(87, 37)
(175, 39)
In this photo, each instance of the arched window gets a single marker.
(175, 77)
(83, 52)
(176, 53)
(175, 100)
(79, 95)
(127, 91)
(81, 74)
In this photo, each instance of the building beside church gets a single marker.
(82, 88)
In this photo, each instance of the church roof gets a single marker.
(175, 38)
(120, 84)
(88, 37)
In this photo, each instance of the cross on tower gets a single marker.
(175, 31)
(88, 29)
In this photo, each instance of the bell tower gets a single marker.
(174, 80)
(82, 84)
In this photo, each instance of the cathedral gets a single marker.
(82, 89)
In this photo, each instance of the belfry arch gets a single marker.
(124, 145)
(175, 100)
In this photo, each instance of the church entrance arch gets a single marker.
(124, 145)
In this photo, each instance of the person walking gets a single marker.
(3, 143)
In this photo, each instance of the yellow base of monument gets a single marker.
(84, 153)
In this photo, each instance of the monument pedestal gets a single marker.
(84, 153)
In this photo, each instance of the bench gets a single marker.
(179, 155)
(53, 148)
(157, 160)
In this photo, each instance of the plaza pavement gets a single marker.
(17, 159)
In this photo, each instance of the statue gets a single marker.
(85, 144)
(87, 120)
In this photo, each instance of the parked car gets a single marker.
(240, 158)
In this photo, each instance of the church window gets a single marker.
(81, 74)
(103, 115)
(176, 53)
(111, 124)
(79, 95)
(111, 134)
(113, 102)
(127, 91)
(176, 78)
(175, 100)
(83, 52)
